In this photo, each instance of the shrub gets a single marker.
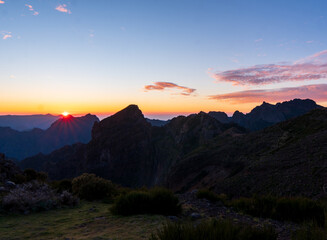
(62, 185)
(90, 187)
(286, 209)
(30, 175)
(155, 201)
(212, 230)
(19, 178)
(135, 202)
(34, 196)
(67, 199)
(210, 195)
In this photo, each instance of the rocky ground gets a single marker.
(201, 208)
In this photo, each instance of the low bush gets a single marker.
(90, 187)
(30, 175)
(35, 196)
(212, 230)
(155, 201)
(210, 195)
(297, 209)
(62, 185)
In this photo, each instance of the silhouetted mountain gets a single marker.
(220, 116)
(64, 131)
(268, 114)
(27, 122)
(196, 151)
(128, 150)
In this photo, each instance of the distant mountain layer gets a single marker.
(157, 122)
(64, 131)
(27, 122)
(268, 114)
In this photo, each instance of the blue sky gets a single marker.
(99, 56)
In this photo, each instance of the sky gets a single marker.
(169, 57)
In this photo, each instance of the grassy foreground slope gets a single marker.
(90, 220)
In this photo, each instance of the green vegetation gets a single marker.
(90, 187)
(30, 175)
(62, 185)
(296, 209)
(212, 230)
(155, 201)
(210, 195)
(89, 220)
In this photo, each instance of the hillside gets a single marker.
(289, 158)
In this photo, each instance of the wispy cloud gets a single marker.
(310, 41)
(2, 2)
(258, 40)
(6, 35)
(317, 92)
(161, 86)
(311, 68)
(30, 7)
(63, 8)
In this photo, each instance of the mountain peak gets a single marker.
(130, 112)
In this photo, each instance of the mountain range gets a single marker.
(268, 114)
(27, 122)
(64, 131)
(200, 151)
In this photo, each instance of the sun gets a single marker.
(65, 114)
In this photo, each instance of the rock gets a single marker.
(10, 184)
(194, 191)
(195, 216)
(3, 189)
(173, 218)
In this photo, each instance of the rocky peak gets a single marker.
(220, 116)
(129, 117)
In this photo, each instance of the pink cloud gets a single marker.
(2, 2)
(63, 8)
(161, 86)
(316, 92)
(5, 35)
(30, 7)
(311, 68)
(258, 40)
